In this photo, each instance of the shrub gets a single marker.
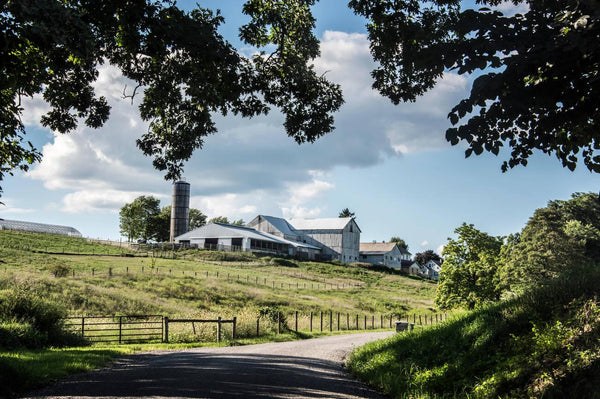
(27, 319)
(283, 262)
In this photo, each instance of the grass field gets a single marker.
(88, 278)
(107, 285)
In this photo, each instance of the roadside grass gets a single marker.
(543, 343)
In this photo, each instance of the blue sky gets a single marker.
(389, 164)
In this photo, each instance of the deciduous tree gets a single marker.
(400, 242)
(181, 67)
(536, 83)
(138, 219)
(425, 256)
(469, 274)
(563, 235)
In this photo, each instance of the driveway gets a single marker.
(299, 369)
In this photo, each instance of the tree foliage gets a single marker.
(423, 257)
(219, 219)
(400, 242)
(536, 85)
(346, 213)
(469, 274)
(138, 219)
(197, 219)
(185, 71)
(561, 236)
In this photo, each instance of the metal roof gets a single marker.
(221, 230)
(33, 227)
(376, 247)
(280, 224)
(320, 224)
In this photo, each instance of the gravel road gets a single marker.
(298, 369)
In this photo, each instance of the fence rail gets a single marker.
(118, 329)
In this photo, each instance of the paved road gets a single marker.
(298, 369)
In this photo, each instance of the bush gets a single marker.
(283, 262)
(29, 320)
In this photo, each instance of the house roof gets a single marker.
(222, 230)
(380, 248)
(375, 248)
(320, 224)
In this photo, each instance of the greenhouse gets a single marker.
(38, 227)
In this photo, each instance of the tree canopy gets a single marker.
(536, 74)
(559, 237)
(469, 274)
(423, 257)
(346, 213)
(185, 71)
(536, 83)
(138, 219)
(400, 242)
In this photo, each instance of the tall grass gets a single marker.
(543, 343)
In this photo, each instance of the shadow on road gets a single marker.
(210, 375)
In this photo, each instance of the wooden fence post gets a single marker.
(420, 322)
(321, 320)
(278, 322)
(311, 317)
(365, 322)
(348, 321)
(357, 321)
(257, 326)
(120, 328)
(338, 321)
(330, 320)
(166, 338)
(381, 321)
(219, 329)
(296, 321)
(234, 327)
(82, 327)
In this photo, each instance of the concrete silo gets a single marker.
(180, 209)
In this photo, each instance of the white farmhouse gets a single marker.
(384, 253)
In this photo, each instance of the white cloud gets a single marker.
(425, 243)
(440, 249)
(250, 165)
(508, 8)
(91, 200)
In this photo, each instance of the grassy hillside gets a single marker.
(204, 283)
(544, 343)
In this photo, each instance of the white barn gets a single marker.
(224, 237)
(336, 238)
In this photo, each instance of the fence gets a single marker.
(157, 328)
(119, 329)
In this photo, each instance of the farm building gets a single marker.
(32, 227)
(224, 237)
(384, 253)
(337, 238)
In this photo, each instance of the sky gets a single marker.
(389, 164)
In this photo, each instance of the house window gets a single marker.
(351, 231)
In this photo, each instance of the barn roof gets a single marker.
(222, 230)
(320, 224)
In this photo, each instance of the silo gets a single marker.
(180, 209)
